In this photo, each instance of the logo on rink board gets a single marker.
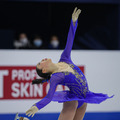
(15, 83)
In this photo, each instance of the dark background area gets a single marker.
(98, 24)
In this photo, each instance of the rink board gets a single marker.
(101, 68)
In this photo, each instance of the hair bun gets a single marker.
(37, 81)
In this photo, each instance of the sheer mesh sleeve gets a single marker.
(54, 81)
(71, 34)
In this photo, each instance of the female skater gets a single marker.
(65, 72)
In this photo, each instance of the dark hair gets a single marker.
(45, 76)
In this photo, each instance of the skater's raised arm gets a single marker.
(71, 34)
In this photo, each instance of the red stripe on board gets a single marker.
(15, 83)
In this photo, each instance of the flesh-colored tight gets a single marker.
(70, 111)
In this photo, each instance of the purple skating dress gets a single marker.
(77, 83)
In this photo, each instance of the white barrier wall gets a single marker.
(101, 68)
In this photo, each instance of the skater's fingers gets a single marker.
(30, 114)
(33, 114)
(29, 111)
(78, 12)
(75, 10)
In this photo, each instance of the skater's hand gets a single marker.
(75, 14)
(32, 111)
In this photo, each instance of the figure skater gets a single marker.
(66, 73)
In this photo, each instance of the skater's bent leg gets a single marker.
(69, 110)
(80, 112)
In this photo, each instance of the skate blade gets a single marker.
(16, 117)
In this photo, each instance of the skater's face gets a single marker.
(44, 65)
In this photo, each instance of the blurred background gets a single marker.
(23, 23)
(34, 29)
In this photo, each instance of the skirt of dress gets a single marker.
(91, 97)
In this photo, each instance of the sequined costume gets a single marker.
(77, 83)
